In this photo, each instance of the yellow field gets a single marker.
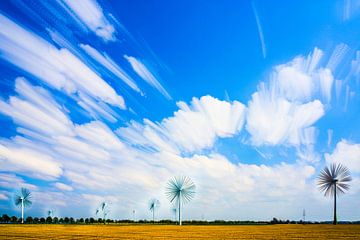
(327, 232)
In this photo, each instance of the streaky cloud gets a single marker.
(110, 65)
(91, 15)
(59, 68)
(142, 70)
(260, 30)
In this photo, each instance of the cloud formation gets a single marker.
(284, 110)
(346, 153)
(148, 76)
(59, 68)
(90, 14)
(192, 128)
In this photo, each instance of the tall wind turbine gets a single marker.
(334, 180)
(23, 199)
(180, 190)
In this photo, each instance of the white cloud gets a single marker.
(3, 197)
(346, 153)
(142, 70)
(35, 109)
(49, 134)
(63, 186)
(59, 68)
(284, 110)
(21, 159)
(302, 79)
(92, 16)
(273, 121)
(11, 181)
(99, 134)
(192, 128)
(109, 64)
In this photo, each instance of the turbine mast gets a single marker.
(22, 209)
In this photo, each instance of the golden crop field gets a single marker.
(8, 231)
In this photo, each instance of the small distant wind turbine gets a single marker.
(304, 215)
(50, 213)
(180, 190)
(154, 204)
(23, 199)
(103, 210)
(174, 209)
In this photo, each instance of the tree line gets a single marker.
(5, 219)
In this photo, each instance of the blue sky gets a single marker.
(106, 101)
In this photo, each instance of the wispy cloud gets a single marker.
(330, 133)
(59, 68)
(11, 181)
(63, 186)
(110, 65)
(142, 70)
(89, 13)
(20, 159)
(3, 197)
(36, 110)
(340, 52)
(260, 30)
(350, 9)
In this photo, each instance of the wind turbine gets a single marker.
(334, 180)
(180, 190)
(23, 199)
(103, 209)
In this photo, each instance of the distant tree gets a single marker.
(81, 220)
(87, 220)
(61, 220)
(66, 220)
(100, 220)
(6, 218)
(23, 199)
(29, 220)
(14, 219)
(36, 220)
(72, 221)
(92, 220)
(55, 220)
(334, 180)
(42, 220)
(274, 221)
(48, 219)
